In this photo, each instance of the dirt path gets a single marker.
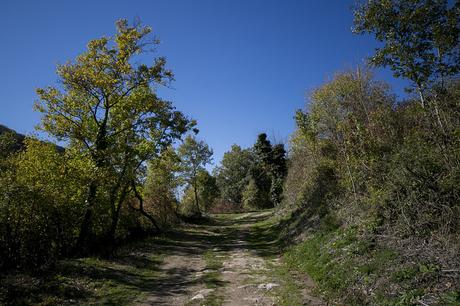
(211, 263)
(217, 263)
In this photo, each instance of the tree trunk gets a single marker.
(151, 219)
(196, 198)
(422, 97)
(141, 208)
(85, 228)
(116, 216)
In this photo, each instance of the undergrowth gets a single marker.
(350, 267)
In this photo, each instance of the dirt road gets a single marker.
(214, 263)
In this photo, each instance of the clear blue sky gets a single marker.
(242, 66)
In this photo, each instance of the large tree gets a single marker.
(107, 107)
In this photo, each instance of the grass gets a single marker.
(288, 294)
(89, 281)
(212, 279)
(212, 275)
(349, 268)
(340, 263)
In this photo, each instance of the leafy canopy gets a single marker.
(420, 37)
(108, 104)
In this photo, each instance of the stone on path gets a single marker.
(201, 294)
(268, 286)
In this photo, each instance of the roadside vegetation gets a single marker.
(372, 186)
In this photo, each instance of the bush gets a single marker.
(40, 204)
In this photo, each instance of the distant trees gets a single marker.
(270, 168)
(194, 155)
(233, 173)
(208, 191)
(253, 196)
(253, 177)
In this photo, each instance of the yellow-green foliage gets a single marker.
(159, 190)
(41, 200)
(113, 122)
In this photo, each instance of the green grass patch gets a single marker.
(288, 294)
(212, 278)
(338, 260)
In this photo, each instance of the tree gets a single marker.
(278, 172)
(208, 191)
(420, 38)
(195, 155)
(107, 108)
(233, 173)
(8, 145)
(260, 171)
(271, 161)
(256, 194)
(252, 197)
(159, 189)
(263, 151)
(344, 124)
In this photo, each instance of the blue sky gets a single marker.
(242, 66)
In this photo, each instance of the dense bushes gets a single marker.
(385, 172)
(383, 157)
(40, 204)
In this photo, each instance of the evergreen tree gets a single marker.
(278, 171)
